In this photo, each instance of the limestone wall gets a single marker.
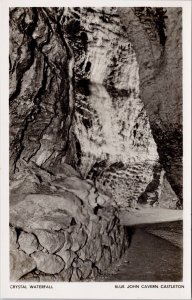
(156, 36)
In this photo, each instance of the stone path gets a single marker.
(149, 215)
(150, 258)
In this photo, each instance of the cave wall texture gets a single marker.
(157, 40)
(68, 67)
(95, 121)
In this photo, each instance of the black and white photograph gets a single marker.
(96, 146)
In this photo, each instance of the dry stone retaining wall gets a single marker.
(71, 234)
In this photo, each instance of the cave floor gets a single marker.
(155, 254)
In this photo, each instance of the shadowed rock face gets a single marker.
(40, 102)
(156, 38)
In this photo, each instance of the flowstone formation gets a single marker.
(117, 148)
(84, 143)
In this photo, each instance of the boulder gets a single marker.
(92, 250)
(94, 228)
(77, 186)
(52, 212)
(68, 256)
(76, 276)
(105, 260)
(85, 267)
(65, 274)
(48, 263)
(79, 239)
(50, 240)
(28, 242)
(20, 264)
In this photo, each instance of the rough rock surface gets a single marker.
(47, 263)
(40, 116)
(13, 238)
(68, 256)
(167, 198)
(92, 115)
(28, 242)
(67, 236)
(110, 120)
(156, 37)
(40, 211)
(20, 264)
(50, 241)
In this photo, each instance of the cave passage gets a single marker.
(155, 255)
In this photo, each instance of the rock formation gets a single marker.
(95, 127)
(65, 232)
(156, 34)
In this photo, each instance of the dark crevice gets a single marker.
(95, 210)
(155, 18)
(78, 151)
(18, 231)
(88, 66)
